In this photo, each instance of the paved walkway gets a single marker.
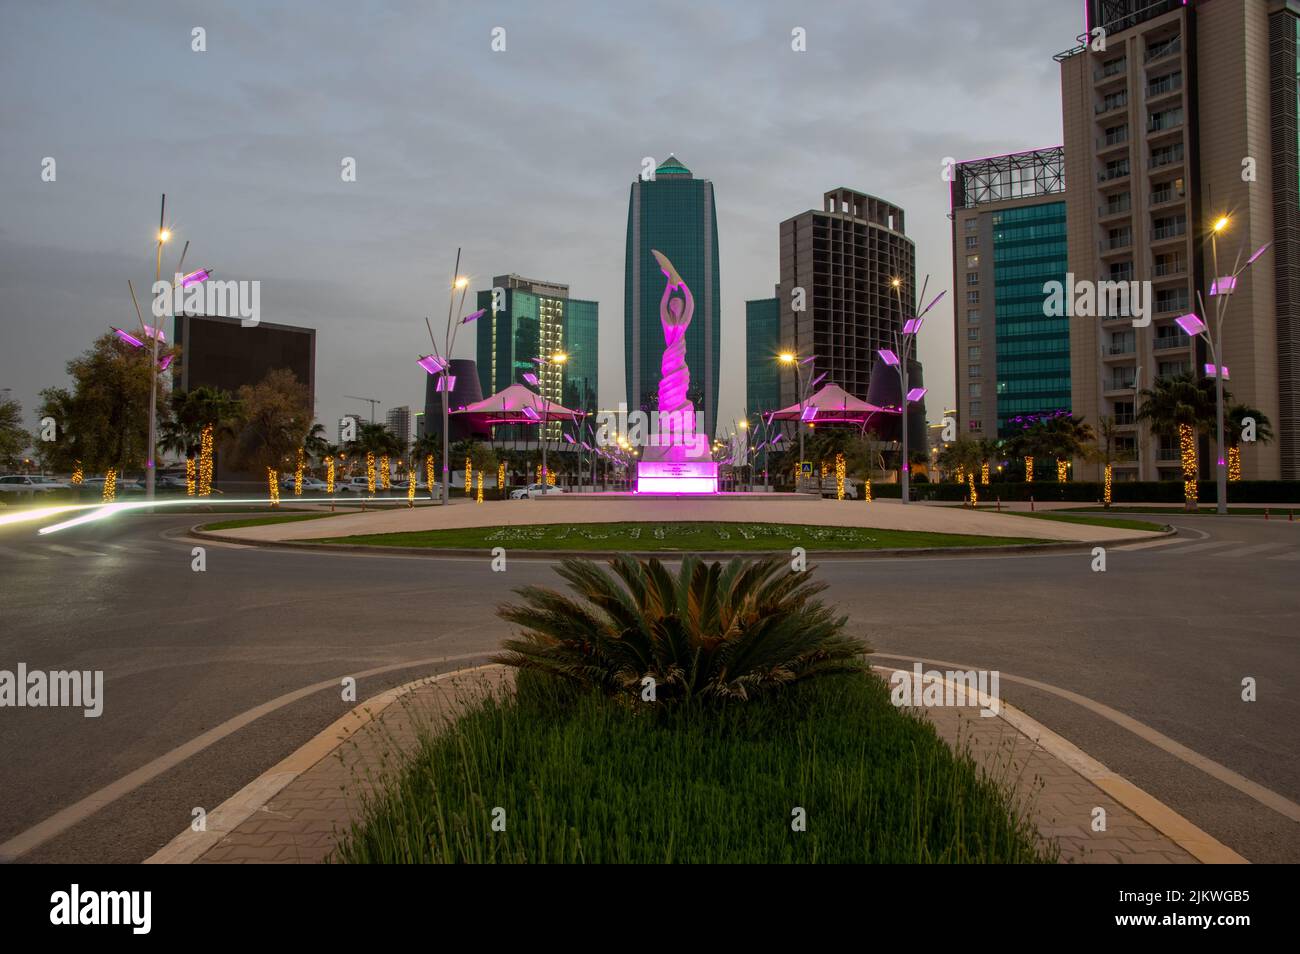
(285, 817)
(746, 508)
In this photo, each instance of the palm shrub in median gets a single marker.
(718, 631)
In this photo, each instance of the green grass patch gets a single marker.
(679, 537)
(266, 519)
(584, 779)
(1117, 522)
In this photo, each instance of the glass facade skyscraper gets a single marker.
(673, 212)
(1033, 351)
(762, 345)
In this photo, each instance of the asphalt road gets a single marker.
(1165, 636)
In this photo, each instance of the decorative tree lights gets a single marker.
(984, 473)
(191, 470)
(501, 479)
(410, 489)
(550, 478)
(469, 473)
(1062, 470)
(370, 473)
(428, 473)
(974, 498)
(539, 473)
(1234, 463)
(840, 468)
(272, 480)
(866, 489)
(1187, 453)
(78, 476)
(479, 497)
(110, 485)
(329, 476)
(205, 462)
(961, 473)
(297, 475)
(1029, 470)
(1106, 487)
(385, 476)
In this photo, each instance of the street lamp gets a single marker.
(556, 359)
(898, 358)
(790, 358)
(1221, 288)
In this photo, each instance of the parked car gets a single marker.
(314, 484)
(176, 481)
(29, 484)
(534, 490)
(850, 489)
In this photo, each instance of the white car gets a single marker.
(176, 481)
(28, 484)
(313, 484)
(534, 490)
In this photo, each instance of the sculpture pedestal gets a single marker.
(677, 477)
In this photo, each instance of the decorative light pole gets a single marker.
(1221, 288)
(790, 358)
(898, 358)
(558, 359)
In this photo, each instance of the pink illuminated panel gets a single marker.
(677, 477)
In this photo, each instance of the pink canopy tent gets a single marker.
(831, 405)
(517, 405)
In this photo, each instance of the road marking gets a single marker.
(72, 551)
(1247, 551)
(1199, 844)
(23, 842)
(1202, 547)
(189, 845)
(1266, 797)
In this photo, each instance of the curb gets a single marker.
(1201, 845)
(200, 535)
(190, 845)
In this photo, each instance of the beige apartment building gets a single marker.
(1188, 114)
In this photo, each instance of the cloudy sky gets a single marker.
(523, 157)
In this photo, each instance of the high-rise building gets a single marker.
(219, 352)
(1008, 240)
(762, 346)
(836, 295)
(1188, 115)
(398, 422)
(464, 390)
(673, 213)
(532, 319)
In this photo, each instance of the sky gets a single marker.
(522, 157)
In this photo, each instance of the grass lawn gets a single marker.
(584, 779)
(1072, 517)
(682, 537)
(266, 519)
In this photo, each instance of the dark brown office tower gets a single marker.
(843, 256)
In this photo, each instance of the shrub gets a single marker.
(714, 632)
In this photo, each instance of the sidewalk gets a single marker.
(293, 812)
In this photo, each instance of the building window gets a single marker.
(972, 334)
(975, 426)
(973, 353)
(972, 224)
(972, 298)
(974, 371)
(972, 241)
(973, 316)
(972, 261)
(976, 407)
(973, 389)
(972, 278)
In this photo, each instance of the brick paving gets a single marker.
(301, 822)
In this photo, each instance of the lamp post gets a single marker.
(164, 234)
(1221, 288)
(897, 358)
(790, 358)
(556, 359)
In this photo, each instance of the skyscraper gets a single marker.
(762, 345)
(536, 319)
(672, 212)
(1008, 239)
(398, 422)
(1188, 115)
(842, 257)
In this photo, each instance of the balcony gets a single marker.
(1175, 342)
(1114, 208)
(1110, 70)
(1174, 230)
(1158, 51)
(1176, 269)
(1115, 244)
(1164, 122)
(1110, 105)
(1124, 420)
(1113, 173)
(1119, 350)
(1119, 384)
(1176, 305)
(1166, 157)
(1165, 86)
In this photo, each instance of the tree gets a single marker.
(103, 420)
(963, 454)
(1234, 426)
(276, 416)
(316, 444)
(191, 412)
(13, 438)
(1178, 407)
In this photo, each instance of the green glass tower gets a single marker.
(762, 345)
(674, 213)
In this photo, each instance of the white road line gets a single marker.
(1247, 551)
(1201, 547)
(72, 551)
(82, 809)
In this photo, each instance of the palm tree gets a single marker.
(1234, 426)
(316, 444)
(1178, 407)
(960, 456)
(715, 632)
(191, 412)
(1105, 451)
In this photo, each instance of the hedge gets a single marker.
(1084, 491)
